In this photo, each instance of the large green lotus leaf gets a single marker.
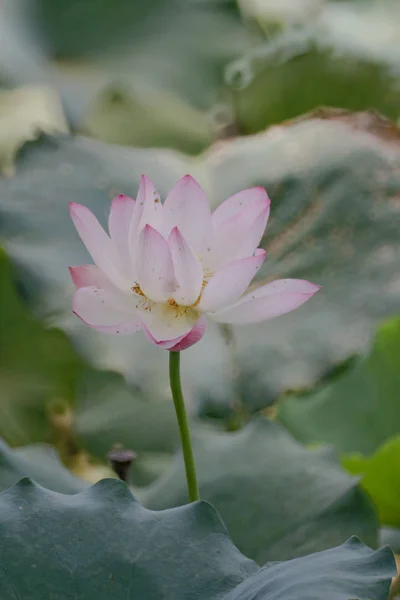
(297, 579)
(139, 73)
(277, 499)
(102, 544)
(381, 478)
(334, 186)
(358, 411)
(344, 55)
(40, 462)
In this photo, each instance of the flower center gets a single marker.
(181, 310)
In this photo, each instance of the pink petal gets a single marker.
(183, 342)
(154, 268)
(269, 301)
(187, 268)
(166, 323)
(165, 345)
(146, 197)
(187, 208)
(254, 234)
(119, 222)
(237, 203)
(106, 311)
(192, 337)
(228, 284)
(240, 235)
(88, 275)
(148, 209)
(97, 242)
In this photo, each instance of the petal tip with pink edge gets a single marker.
(260, 252)
(314, 287)
(264, 193)
(182, 342)
(150, 231)
(175, 233)
(121, 198)
(194, 336)
(189, 180)
(73, 274)
(146, 180)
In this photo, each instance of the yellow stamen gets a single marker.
(173, 303)
(203, 285)
(136, 288)
(147, 304)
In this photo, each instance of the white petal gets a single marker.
(98, 243)
(148, 211)
(269, 301)
(165, 322)
(106, 311)
(149, 204)
(187, 208)
(240, 235)
(228, 284)
(237, 203)
(154, 268)
(187, 268)
(254, 234)
(119, 223)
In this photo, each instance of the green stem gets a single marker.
(176, 389)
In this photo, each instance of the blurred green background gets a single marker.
(296, 421)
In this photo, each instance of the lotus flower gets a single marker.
(165, 267)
